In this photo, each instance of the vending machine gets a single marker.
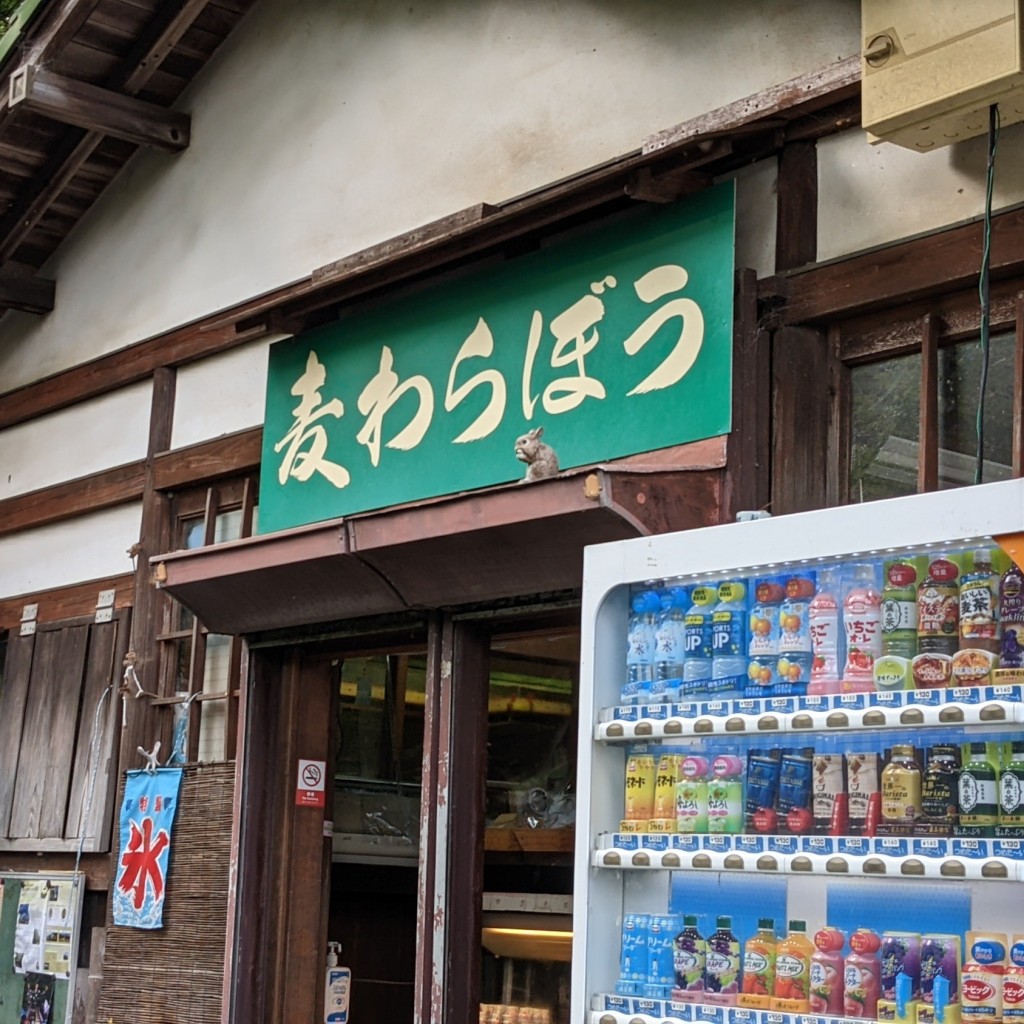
(801, 769)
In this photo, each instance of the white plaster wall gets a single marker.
(83, 439)
(221, 394)
(755, 216)
(322, 128)
(877, 194)
(90, 547)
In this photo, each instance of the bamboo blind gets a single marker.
(173, 975)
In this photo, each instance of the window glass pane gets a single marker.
(184, 663)
(380, 754)
(959, 380)
(192, 533)
(884, 428)
(213, 713)
(531, 735)
(228, 527)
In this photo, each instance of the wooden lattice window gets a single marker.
(199, 670)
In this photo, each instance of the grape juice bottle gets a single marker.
(722, 968)
(688, 960)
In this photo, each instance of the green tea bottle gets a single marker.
(979, 803)
(1011, 788)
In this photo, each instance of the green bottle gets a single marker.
(1011, 788)
(979, 803)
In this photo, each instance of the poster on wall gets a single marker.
(44, 927)
(612, 341)
(37, 1000)
(147, 818)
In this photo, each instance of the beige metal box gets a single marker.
(932, 68)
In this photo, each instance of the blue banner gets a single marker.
(147, 817)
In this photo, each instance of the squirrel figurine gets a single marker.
(540, 458)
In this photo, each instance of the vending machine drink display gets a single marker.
(807, 805)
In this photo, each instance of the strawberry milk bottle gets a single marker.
(862, 621)
(823, 616)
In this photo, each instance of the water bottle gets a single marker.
(669, 646)
(644, 608)
(729, 642)
(697, 643)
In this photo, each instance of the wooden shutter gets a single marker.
(53, 684)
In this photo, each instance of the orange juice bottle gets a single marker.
(759, 967)
(793, 970)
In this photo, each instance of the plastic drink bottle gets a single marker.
(729, 642)
(669, 646)
(688, 958)
(794, 624)
(1011, 611)
(725, 796)
(759, 965)
(827, 972)
(978, 792)
(862, 971)
(644, 608)
(899, 610)
(793, 970)
(938, 608)
(979, 605)
(697, 642)
(823, 616)
(862, 623)
(722, 967)
(1011, 787)
(764, 617)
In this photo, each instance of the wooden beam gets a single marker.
(29, 294)
(98, 110)
(928, 265)
(230, 455)
(68, 602)
(72, 498)
(782, 103)
(796, 235)
(928, 424)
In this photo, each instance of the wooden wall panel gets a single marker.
(13, 699)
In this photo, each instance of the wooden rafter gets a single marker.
(172, 22)
(29, 294)
(99, 110)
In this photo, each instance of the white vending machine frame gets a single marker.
(604, 894)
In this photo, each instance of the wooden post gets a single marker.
(748, 479)
(796, 232)
(928, 428)
(801, 407)
(1018, 391)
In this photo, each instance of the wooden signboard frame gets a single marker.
(68, 888)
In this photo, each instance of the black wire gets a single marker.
(983, 289)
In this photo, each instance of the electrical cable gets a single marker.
(983, 289)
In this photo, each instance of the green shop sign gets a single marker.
(615, 341)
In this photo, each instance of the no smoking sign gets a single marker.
(309, 789)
